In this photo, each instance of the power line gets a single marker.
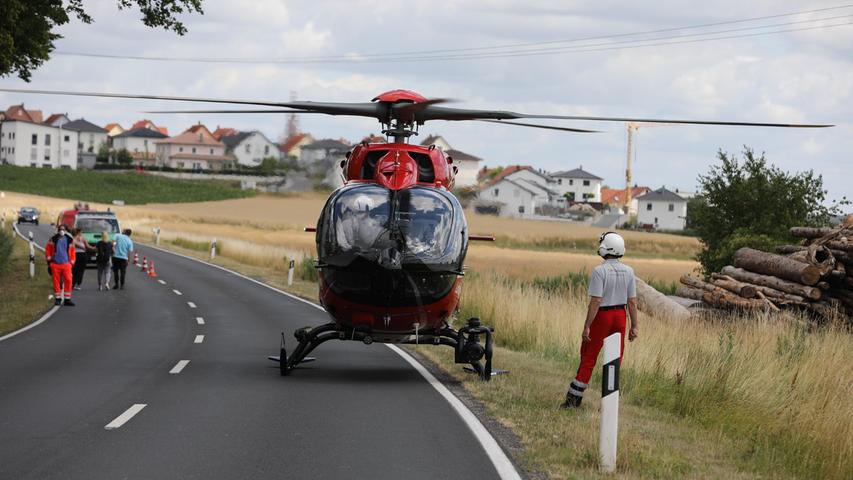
(519, 49)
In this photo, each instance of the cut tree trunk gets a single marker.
(839, 245)
(700, 284)
(732, 285)
(776, 295)
(777, 266)
(810, 232)
(848, 281)
(690, 292)
(772, 282)
(727, 300)
(656, 304)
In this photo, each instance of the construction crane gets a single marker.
(632, 127)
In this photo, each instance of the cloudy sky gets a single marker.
(327, 51)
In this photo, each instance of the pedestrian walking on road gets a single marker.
(60, 255)
(105, 254)
(82, 249)
(612, 287)
(121, 252)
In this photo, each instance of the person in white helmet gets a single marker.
(611, 288)
(358, 229)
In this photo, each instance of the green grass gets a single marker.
(22, 299)
(132, 188)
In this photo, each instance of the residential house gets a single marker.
(141, 143)
(323, 157)
(26, 141)
(662, 209)
(113, 129)
(521, 191)
(57, 120)
(195, 149)
(616, 198)
(250, 148)
(90, 139)
(292, 147)
(578, 185)
(467, 165)
(224, 132)
(145, 123)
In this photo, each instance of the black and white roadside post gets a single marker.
(213, 249)
(32, 256)
(610, 402)
(290, 269)
(156, 236)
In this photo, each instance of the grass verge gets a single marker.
(22, 299)
(132, 188)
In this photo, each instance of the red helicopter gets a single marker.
(391, 242)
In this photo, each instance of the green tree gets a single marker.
(268, 166)
(103, 153)
(752, 203)
(123, 157)
(28, 27)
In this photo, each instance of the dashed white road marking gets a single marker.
(161, 282)
(199, 320)
(124, 417)
(179, 366)
(177, 292)
(191, 304)
(199, 338)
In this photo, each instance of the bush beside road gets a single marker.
(22, 299)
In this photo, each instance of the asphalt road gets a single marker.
(357, 412)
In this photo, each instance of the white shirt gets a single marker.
(614, 282)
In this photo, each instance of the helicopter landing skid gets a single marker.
(465, 342)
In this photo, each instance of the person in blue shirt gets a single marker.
(121, 253)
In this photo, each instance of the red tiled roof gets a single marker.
(53, 117)
(292, 141)
(18, 112)
(224, 132)
(111, 126)
(195, 135)
(145, 123)
(616, 196)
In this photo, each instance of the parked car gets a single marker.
(28, 215)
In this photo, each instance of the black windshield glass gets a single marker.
(414, 227)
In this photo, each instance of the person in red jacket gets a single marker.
(61, 257)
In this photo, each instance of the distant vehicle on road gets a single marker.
(91, 223)
(28, 215)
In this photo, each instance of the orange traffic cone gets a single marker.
(136, 259)
(151, 272)
(144, 264)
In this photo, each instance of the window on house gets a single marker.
(559, 181)
(586, 183)
(211, 151)
(571, 182)
(248, 148)
(67, 138)
(47, 139)
(656, 220)
(521, 209)
(193, 149)
(266, 149)
(648, 207)
(497, 191)
(671, 207)
(35, 139)
(180, 149)
(47, 155)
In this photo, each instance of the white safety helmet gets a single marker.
(611, 243)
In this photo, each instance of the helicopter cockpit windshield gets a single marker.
(412, 227)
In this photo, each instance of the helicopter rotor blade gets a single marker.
(229, 111)
(546, 127)
(457, 114)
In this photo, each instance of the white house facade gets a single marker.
(28, 144)
(516, 198)
(141, 143)
(663, 209)
(580, 185)
(90, 139)
(250, 148)
(467, 165)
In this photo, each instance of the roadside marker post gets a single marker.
(156, 236)
(610, 402)
(213, 249)
(290, 272)
(32, 257)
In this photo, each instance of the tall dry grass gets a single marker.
(770, 380)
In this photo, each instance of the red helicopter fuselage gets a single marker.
(391, 242)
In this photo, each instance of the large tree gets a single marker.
(28, 27)
(753, 203)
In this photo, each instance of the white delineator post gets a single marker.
(610, 402)
(157, 236)
(213, 249)
(32, 257)
(290, 269)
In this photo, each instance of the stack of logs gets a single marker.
(817, 274)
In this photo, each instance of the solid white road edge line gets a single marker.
(191, 305)
(179, 366)
(44, 317)
(177, 292)
(199, 320)
(124, 417)
(506, 470)
(161, 282)
(199, 339)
